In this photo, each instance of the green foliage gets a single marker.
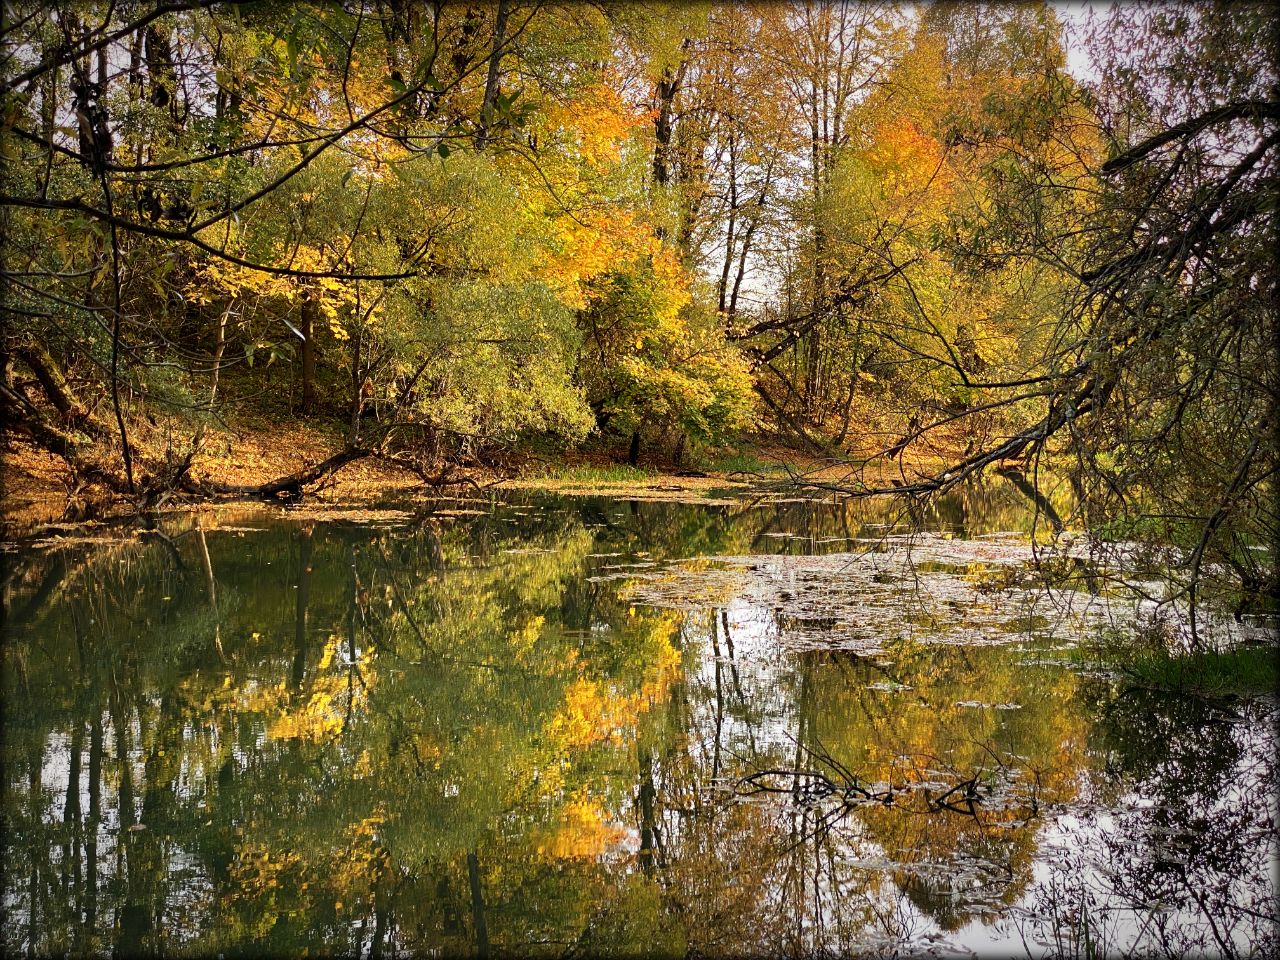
(1146, 658)
(426, 270)
(741, 462)
(656, 355)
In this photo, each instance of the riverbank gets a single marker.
(39, 488)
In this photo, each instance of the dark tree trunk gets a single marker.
(310, 307)
(648, 822)
(477, 905)
(493, 76)
(633, 455)
(52, 381)
(664, 121)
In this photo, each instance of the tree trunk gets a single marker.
(854, 370)
(52, 382)
(288, 486)
(219, 348)
(359, 386)
(730, 238)
(633, 455)
(491, 80)
(310, 307)
(664, 120)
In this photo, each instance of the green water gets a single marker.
(521, 728)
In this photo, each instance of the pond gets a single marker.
(534, 725)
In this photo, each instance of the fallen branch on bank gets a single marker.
(447, 476)
(290, 486)
(287, 487)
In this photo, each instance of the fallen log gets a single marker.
(289, 486)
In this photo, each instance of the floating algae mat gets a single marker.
(921, 588)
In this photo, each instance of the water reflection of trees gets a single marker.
(315, 725)
(806, 882)
(1186, 862)
(456, 734)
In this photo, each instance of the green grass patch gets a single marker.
(591, 473)
(740, 462)
(1243, 671)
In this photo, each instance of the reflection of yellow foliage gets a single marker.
(584, 715)
(584, 831)
(272, 880)
(596, 713)
(426, 749)
(333, 697)
(364, 765)
(363, 857)
(949, 726)
(522, 639)
(257, 869)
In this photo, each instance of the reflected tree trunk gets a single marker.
(35, 761)
(733, 670)
(57, 575)
(302, 607)
(355, 615)
(477, 904)
(141, 916)
(71, 814)
(452, 924)
(719, 669)
(91, 827)
(211, 589)
(1032, 493)
(382, 918)
(648, 825)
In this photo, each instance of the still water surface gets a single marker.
(581, 726)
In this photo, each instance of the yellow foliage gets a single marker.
(597, 122)
(591, 244)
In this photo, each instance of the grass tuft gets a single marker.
(1243, 671)
(741, 462)
(590, 473)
